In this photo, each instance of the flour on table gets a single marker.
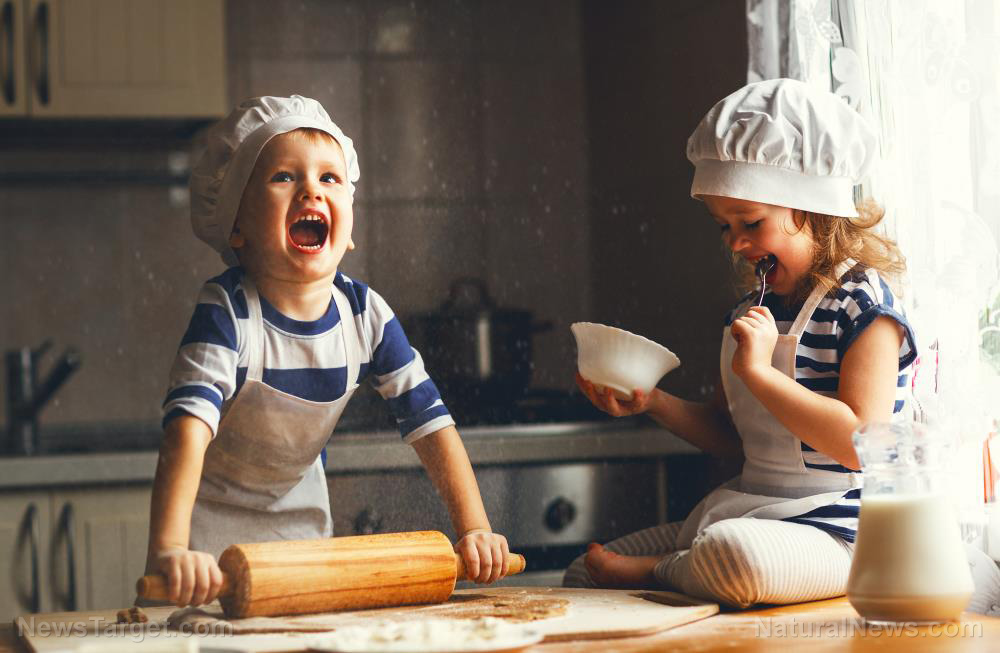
(517, 607)
(439, 635)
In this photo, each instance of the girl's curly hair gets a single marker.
(836, 239)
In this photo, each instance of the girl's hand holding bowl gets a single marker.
(618, 370)
(611, 401)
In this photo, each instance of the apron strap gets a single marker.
(815, 297)
(351, 336)
(254, 332)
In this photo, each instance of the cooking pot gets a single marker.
(472, 348)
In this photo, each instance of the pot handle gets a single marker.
(458, 295)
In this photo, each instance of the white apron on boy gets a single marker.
(775, 483)
(263, 479)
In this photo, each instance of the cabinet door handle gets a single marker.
(67, 532)
(40, 52)
(31, 523)
(7, 36)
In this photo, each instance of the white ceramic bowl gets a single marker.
(620, 360)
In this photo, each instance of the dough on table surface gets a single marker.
(512, 607)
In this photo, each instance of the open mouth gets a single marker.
(765, 267)
(308, 233)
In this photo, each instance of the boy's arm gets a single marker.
(193, 577)
(447, 463)
(178, 473)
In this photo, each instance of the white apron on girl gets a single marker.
(263, 479)
(775, 483)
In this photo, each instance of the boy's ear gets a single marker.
(350, 244)
(236, 239)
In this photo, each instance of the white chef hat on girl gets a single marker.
(233, 145)
(783, 142)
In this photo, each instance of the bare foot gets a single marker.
(609, 569)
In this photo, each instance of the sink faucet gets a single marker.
(26, 396)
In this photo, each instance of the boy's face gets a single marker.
(295, 218)
(755, 230)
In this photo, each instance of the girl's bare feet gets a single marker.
(609, 569)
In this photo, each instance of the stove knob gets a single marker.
(559, 514)
(368, 522)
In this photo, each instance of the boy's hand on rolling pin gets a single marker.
(756, 334)
(193, 577)
(610, 403)
(485, 555)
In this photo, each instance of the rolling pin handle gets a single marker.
(515, 565)
(154, 587)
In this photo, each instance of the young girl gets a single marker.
(276, 347)
(827, 349)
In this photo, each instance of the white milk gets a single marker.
(909, 560)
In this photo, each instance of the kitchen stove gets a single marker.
(368, 412)
(535, 406)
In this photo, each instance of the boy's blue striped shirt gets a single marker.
(303, 359)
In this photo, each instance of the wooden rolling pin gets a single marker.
(268, 579)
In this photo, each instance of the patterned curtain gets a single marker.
(927, 74)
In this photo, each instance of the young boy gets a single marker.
(276, 347)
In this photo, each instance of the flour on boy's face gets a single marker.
(296, 216)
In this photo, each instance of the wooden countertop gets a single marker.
(819, 626)
(830, 625)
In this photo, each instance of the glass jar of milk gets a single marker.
(909, 559)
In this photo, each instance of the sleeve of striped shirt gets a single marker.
(204, 371)
(864, 300)
(398, 374)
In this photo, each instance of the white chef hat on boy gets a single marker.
(233, 145)
(783, 142)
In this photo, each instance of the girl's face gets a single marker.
(754, 230)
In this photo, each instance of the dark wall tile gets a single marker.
(530, 30)
(293, 28)
(534, 128)
(429, 27)
(419, 250)
(423, 129)
(657, 265)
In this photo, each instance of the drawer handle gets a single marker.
(40, 52)
(67, 532)
(30, 525)
(7, 20)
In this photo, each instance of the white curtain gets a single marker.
(927, 74)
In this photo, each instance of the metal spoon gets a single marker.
(764, 266)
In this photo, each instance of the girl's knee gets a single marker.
(746, 561)
(728, 536)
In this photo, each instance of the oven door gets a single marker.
(548, 512)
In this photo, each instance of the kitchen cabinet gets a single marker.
(24, 532)
(86, 547)
(112, 58)
(99, 546)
